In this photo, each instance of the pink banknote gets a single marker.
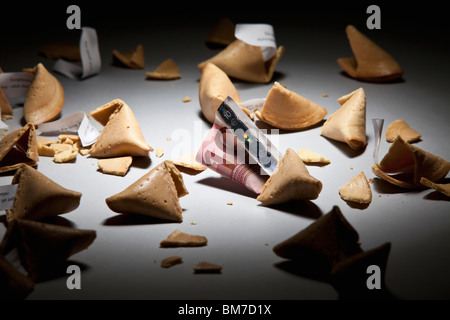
(221, 153)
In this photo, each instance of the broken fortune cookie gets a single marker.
(404, 165)
(156, 194)
(348, 123)
(290, 181)
(18, 147)
(370, 63)
(287, 110)
(401, 128)
(133, 59)
(245, 62)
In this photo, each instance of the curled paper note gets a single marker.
(90, 58)
(77, 123)
(260, 35)
(378, 130)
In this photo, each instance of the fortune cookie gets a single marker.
(370, 62)
(156, 194)
(287, 110)
(181, 239)
(44, 247)
(133, 59)
(19, 146)
(38, 197)
(348, 123)
(410, 164)
(357, 189)
(323, 243)
(5, 107)
(214, 88)
(14, 285)
(121, 135)
(45, 98)
(167, 70)
(245, 62)
(401, 128)
(290, 181)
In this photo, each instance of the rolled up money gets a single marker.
(213, 154)
(248, 161)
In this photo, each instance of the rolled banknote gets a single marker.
(220, 153)
(236, 149)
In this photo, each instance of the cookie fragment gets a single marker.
(401, 128)
(171, 261)
(133, 59)
(188, 161)
(357, 189)
(167, 70)
(312, 157)
(181, 239)
(116, 166)
(207, 267)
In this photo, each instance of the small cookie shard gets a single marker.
(14, 285)
(440, 187)
(323, 243)
(43, 247)
(38, 197)
(312, 157)
(370, 62)
(214, 88)
(121, 135)
(19, 146)
(116, 166)
(222, 34)
(171, 261)
(285, 109)
(45, 98)
(402, 129)
(348, 123)
(167, 70)
(290, 181)
(357, 189)
(188, 161)
(133, 59)
(350, 276)
(56, 51)
(207, 267)
(181, 239)
(156, 194)
(410, 163)
(245, 62)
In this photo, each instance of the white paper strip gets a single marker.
(253, 104)
(16, 84)
(90, 58)
(77, 123)
(261, 35)
(7, 195)
(378, 130)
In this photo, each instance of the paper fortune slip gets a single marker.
(236, 148)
